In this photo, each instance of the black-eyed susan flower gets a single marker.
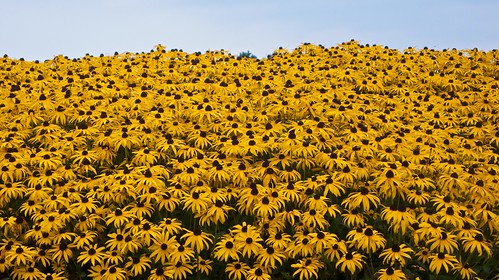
(161, 273)
(353, 218)
(476, 244)
(396, 255)
(118, 218)
(116, 240)
(306, 268)
(363, 199)
(113, 257)
(322, 240)
(237, 270)
(181, 254)
(20, 255)
(131, 244)
(351, 262)
(257, 273)
(171, 225)
(391, 273)
(418, 197)
(249, 243)
(138, 265)
(4, 265)
(290, 191)
(168, 201)
(98, 271)
(217, 213)
(181, 270)
(278, 240)
(443, 242)
(197, 239)
(61, 252)
(42, 257)
(115, 272)
(464, 270)
(163, 246)
(27, 272)
(226, 249)
(264, 207)
(140, 209)
(148, 232)
(99, 150)
(442, 261)
(368, 240)
(271, 257)
(336, 250)
(53, 276)
(203, 265)
(196, 202)
(91, 254)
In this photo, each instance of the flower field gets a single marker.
(349, 162)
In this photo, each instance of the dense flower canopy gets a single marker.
(354, 160)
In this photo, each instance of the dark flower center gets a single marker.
(390, 271)
(479, 237)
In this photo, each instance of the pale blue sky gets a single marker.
(41, 29)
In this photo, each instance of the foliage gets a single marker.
(247, 54)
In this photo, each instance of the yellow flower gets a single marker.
(445, 243)
(418, 197)
(162, 248)
(264, 208)
(61, 252)
(477, 244)
(138, 265)
(353, 218)
(217, 213)
(197, 239)
(161, 273)
(465, 271)
(181, 254)
(391, 274)
(368, 240)
(27, 272)
(336, 250)
(442, 260)
(204, 266)
(257, 273)
(92, 254)
(269, 257)
(396, 254)
(249, 244)
(181, 270)
(306, 268)
(118, 218)
(278, 240)
(315, 219)
(172, 226)
(237, 270)
(362, 199)
(20, 255)
(351, 262)
(225, 249)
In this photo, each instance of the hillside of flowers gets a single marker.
(349, 162)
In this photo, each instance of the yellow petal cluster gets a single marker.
(349, 161)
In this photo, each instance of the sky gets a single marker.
(39, 30)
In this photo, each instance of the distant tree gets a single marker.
(247, 54)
